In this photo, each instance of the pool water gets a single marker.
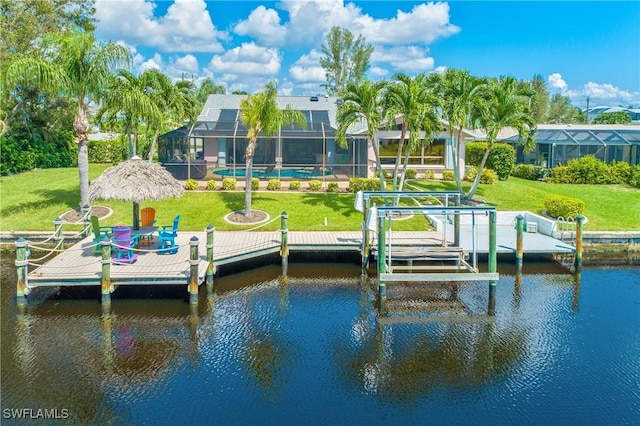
(264, 350)
(262, 172)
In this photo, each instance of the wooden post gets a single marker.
(578, 259)
(86, 220)
(57, 233)
(193, 273)
(365, 237)
(284, 240)
(21, 272)
(211, 267)
(382, 263)
(105, 280)
(493, 264)
(136, 216)
(519, 240)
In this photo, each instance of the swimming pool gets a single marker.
(269, 173)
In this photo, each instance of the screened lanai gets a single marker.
(219, 139)
(558, 144)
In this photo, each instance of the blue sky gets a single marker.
(581, 48)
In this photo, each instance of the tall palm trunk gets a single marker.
(396, 168)
(81, 128)
(153, 144)
(251, 148)
(476, 182)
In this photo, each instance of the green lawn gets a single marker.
(32, 200)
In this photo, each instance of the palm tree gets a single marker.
(177, 103)
(75, 66)
(261, 115)
(208, 87)
(412, 99)
(461, 95)
(131, 96)
(506, 107)
(362, 100)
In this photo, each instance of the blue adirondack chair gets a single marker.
(167, 235)
(123, 244)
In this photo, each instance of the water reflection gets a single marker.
(316, 350)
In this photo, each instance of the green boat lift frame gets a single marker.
(380, 218)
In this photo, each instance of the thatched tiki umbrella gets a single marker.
(135, 180)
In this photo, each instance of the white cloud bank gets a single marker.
(598, 93)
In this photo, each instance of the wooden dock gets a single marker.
(80, 265)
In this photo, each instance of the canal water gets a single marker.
(261, 350)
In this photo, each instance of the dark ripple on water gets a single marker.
(315, 351)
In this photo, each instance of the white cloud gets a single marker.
(310, 20)
(556, 82)
(440, 70)
(424, 24)
(263, 24)
(184, 67)
(411, 59)
(186, 26)
(377, 72)
(150, 64)
(247, 58)
(307, 68)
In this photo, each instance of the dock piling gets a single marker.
(492, 261)
(105, 280)
(211, 267)
(86, 220)
(21, 272)
(193, 272)
(57, 232)
(519, 241)
(382, 263)
(578, 258)
(284, 240)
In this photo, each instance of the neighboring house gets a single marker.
(633, 113)
(218, 141)
(558, 143)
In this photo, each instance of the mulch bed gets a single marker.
(240, 218)
(75, 215)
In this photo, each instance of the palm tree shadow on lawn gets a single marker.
(50, 198)
(342, 204)
(234, 201)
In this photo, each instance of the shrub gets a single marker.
(255, 184)
(295, 185)
(429, 175)
(211, 185)
(410, 174)
(470, 173)
(583, 170)
(448, 175)
(274, 184)
(488, 176)
(315, 185)
(529, 172)
(634, 176)
(619, 172)
(333, 187)
(364, 184)
(111, 151)
(501, 158)
(563, 206)
(229, 184)
(191, 185)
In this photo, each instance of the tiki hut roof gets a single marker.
(135, 180)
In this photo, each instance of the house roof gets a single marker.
(220, 116)
(577, 134)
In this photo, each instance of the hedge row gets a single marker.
(592, 171)
(231, 184)
(501, 158)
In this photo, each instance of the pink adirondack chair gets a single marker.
(123, 244)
